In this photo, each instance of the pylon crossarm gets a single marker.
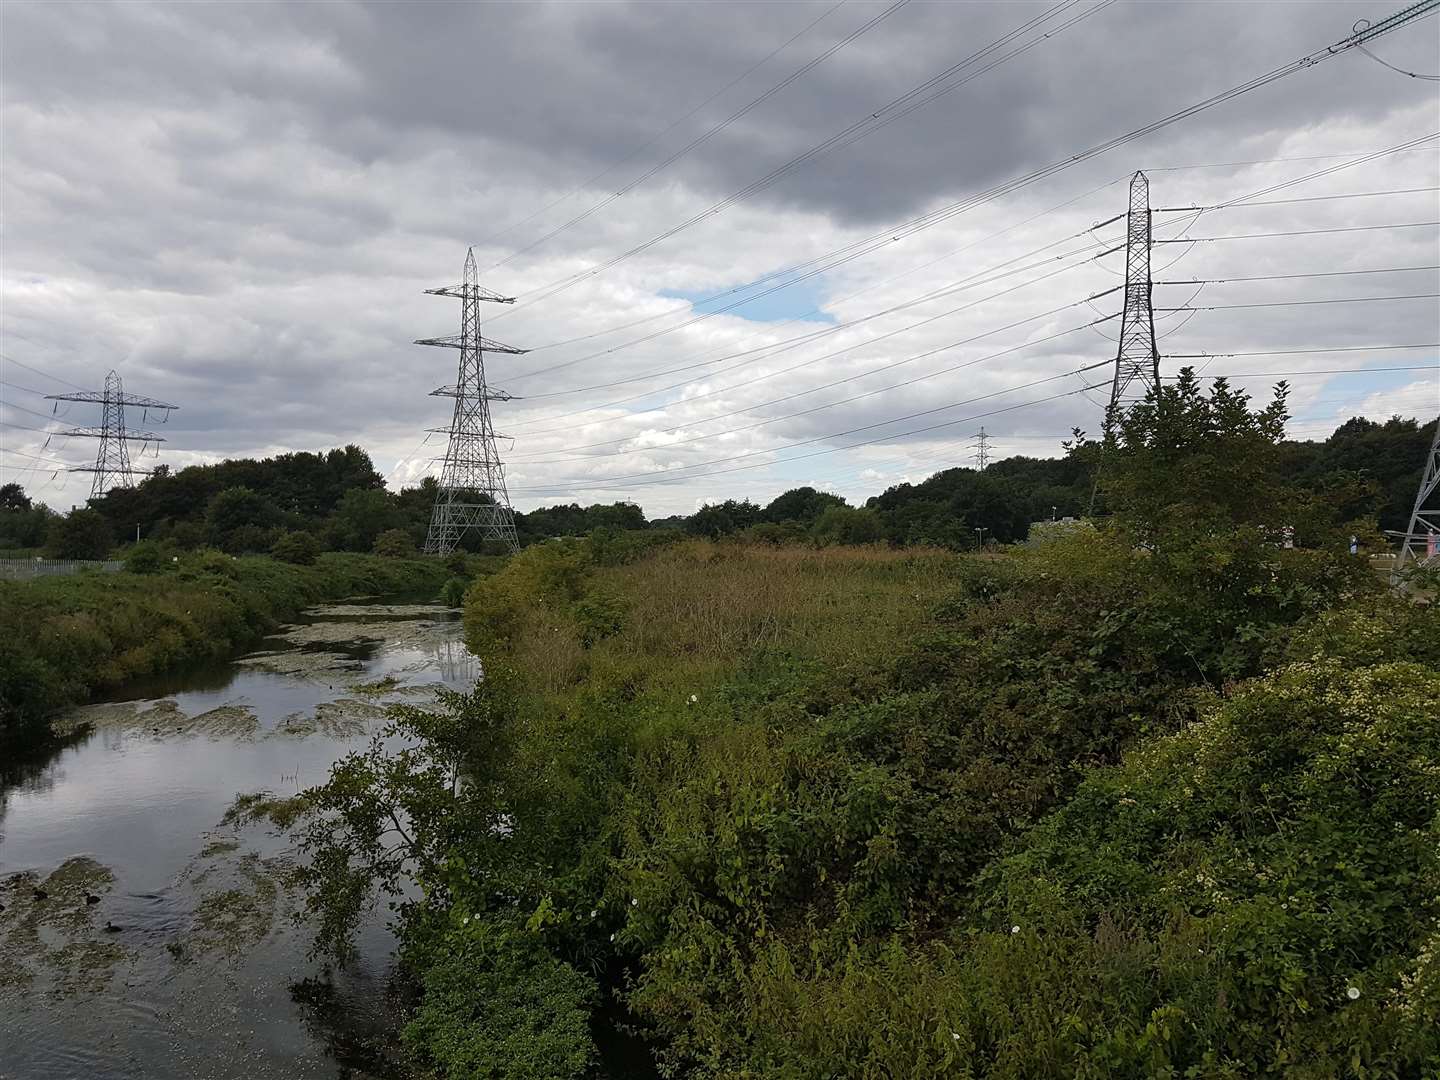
(119, 399)
(478, 292)
(491, 394)
(458, 342)
(102, 433)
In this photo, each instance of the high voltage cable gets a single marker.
(841, 434)
(1304, 303)
(673, 125)
(803, 339)
(1304, 199)
(646, 479)
(1261, 161)
(1308, 373)
(1303, 232)
(872, 393)
(1285, 277)
(38, 371)
(1301, 352)
(856, 131)
(712, 131)
(1385, 26)
(818, 408)
(1363, 159)
(784, 345)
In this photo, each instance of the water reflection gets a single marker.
(145, 801)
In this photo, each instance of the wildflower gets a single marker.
(694, 698)
(634, 902)
(612, 937)
(1353, 993)
(1014, 929)
(466, 920)
(594, 912)
(955, 1035)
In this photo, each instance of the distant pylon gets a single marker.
(982, 449)
(112, 466)
(1137, 361)
(472, 492)
(1422, 536)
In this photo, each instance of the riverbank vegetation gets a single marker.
(1155, 797)
(67, 637)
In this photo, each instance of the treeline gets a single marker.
(299, 504)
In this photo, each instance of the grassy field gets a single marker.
(686, 617)
(65, 638)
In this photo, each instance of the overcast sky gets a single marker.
(238, 207)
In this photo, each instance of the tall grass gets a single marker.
(687, 616)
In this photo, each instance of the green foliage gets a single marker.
(394, 544)
(297, 547)
(452, 592)
(13, 497)
(80, 534)
(802, 504)
(842, 525)
(721, 519)
(497, 1008)
(359, 519)
(147, 557)
(239, 520)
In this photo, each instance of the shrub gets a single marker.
(299, 547)
(394, 544)
(843, 525)
(146, 557)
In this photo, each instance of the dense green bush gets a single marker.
(297, 546)
(394, 544)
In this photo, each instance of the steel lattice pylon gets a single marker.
(1422, 536)
(1137, 362)
(472, 492)
(112, 466)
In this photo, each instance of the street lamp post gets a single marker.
(981, 530)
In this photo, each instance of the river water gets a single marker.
(186, 962)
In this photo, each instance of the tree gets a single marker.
(363, 514)
(803, 504)
(81, 534)
(13, 497)
(239, 519)
(845, 525)
(721, 519)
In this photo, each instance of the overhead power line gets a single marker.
(1303, 199)
(1288, 277)
(1400, 18)
(711, 132)
(1304, 232)
(871, 122)
(583, 185)
(1305, 303)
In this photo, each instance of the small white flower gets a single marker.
(694, 698)
(1353, 993)
(955, 1035)
(612, 937)
(466, 920)
(594, 912)
(634, 902)
(1014, 929)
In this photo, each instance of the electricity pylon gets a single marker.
(1137, 361)
(1422, 535)
(472, 492)
(982, 449)
(112, 466)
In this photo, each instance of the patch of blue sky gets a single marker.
(799, 301)
(1342, 396)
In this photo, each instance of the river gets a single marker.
(143, 938)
